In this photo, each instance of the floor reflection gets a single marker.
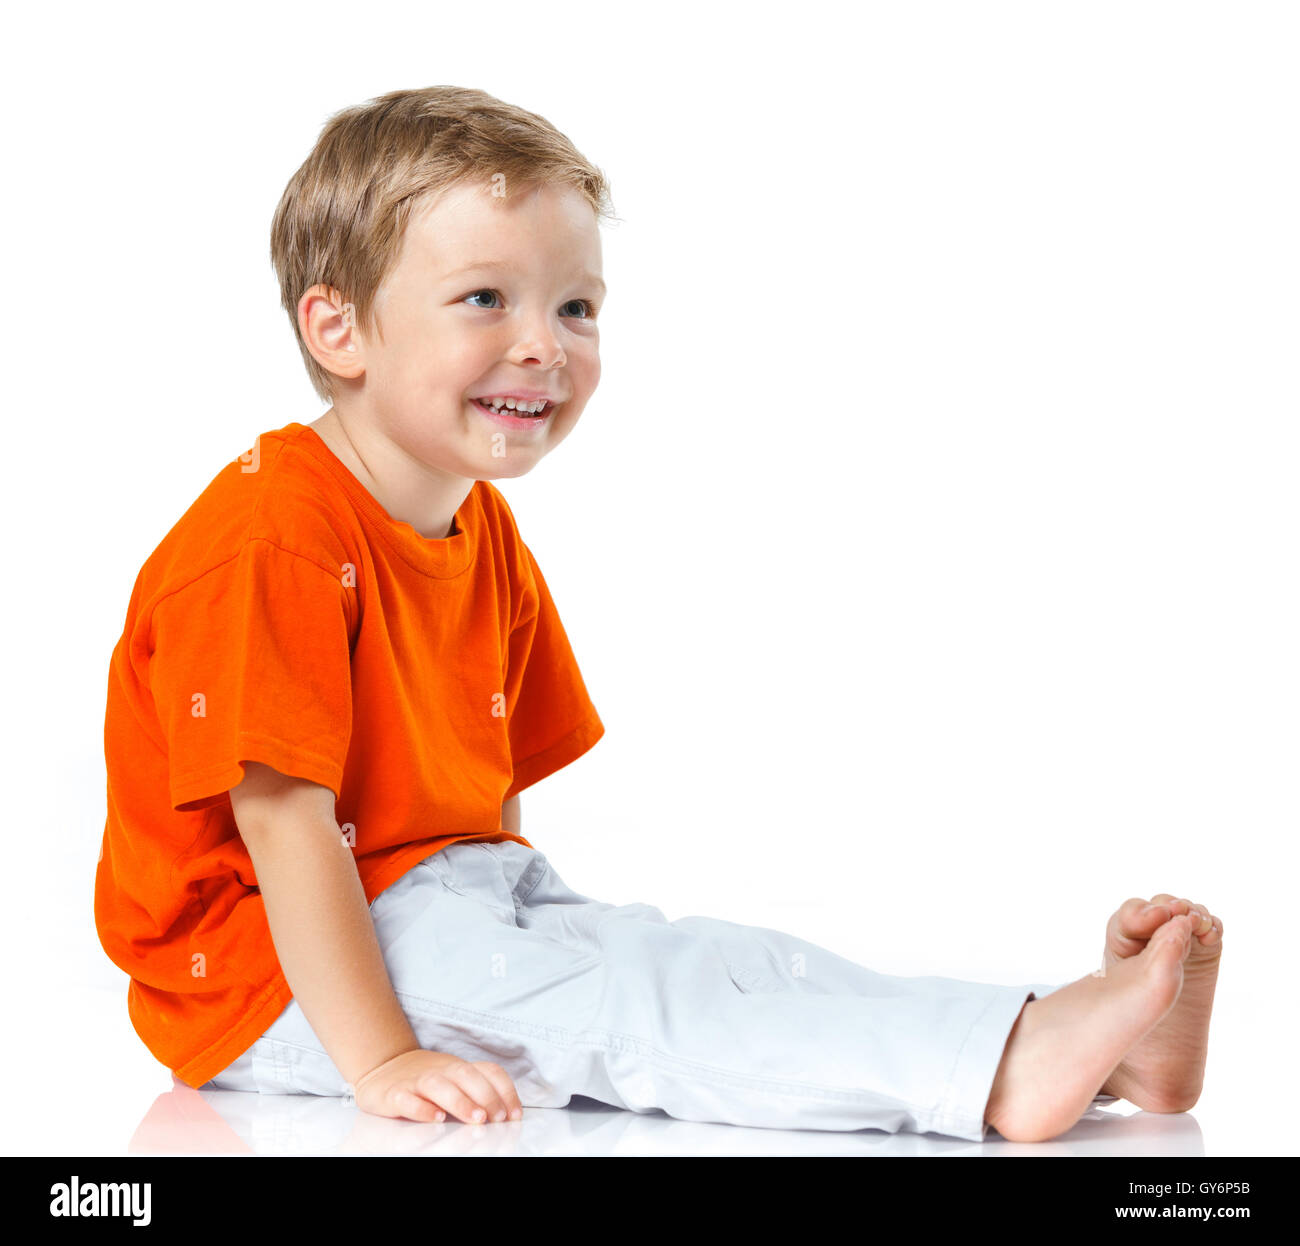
(183, 1121)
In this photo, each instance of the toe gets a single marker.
(1132, 924)
(1212, 937)
(1172, 940)
(1138, 918)
(1203, 921)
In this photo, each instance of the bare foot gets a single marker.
(1164, 1070)
(1064, 1046)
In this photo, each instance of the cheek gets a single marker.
(590, 369)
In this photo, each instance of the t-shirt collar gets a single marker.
(442, 558)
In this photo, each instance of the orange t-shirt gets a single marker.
(288, 619)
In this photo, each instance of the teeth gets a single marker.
(524, 408)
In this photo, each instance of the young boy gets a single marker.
(342, 666)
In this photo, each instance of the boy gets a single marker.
(342, 666)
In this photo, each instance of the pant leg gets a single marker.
(494, 957)
(761, 959)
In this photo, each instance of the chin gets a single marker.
(509, 468)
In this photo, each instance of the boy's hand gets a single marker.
(418, 1085)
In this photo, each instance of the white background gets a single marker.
(929, 547)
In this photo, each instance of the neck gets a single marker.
(408, 489)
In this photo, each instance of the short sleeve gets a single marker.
(550, 717)
(252, 662)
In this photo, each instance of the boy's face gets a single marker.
(489, 297)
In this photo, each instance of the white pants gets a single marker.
(493, 957)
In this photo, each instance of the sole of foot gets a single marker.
(1064, 1046)
(1165, 1069)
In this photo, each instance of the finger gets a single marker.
(444, 1091)
(476, 1084)
(417, 1108)
(394, 1100)
(414, 1107)
(505, 1088)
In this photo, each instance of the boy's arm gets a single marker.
(511, 817)
(320, 922)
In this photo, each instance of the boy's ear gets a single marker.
(328, 327)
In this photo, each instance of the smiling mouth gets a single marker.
(516, 415)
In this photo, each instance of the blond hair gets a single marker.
(341, 219)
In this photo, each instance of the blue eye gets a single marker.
(590, 309)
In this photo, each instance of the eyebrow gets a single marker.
(499, 266)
